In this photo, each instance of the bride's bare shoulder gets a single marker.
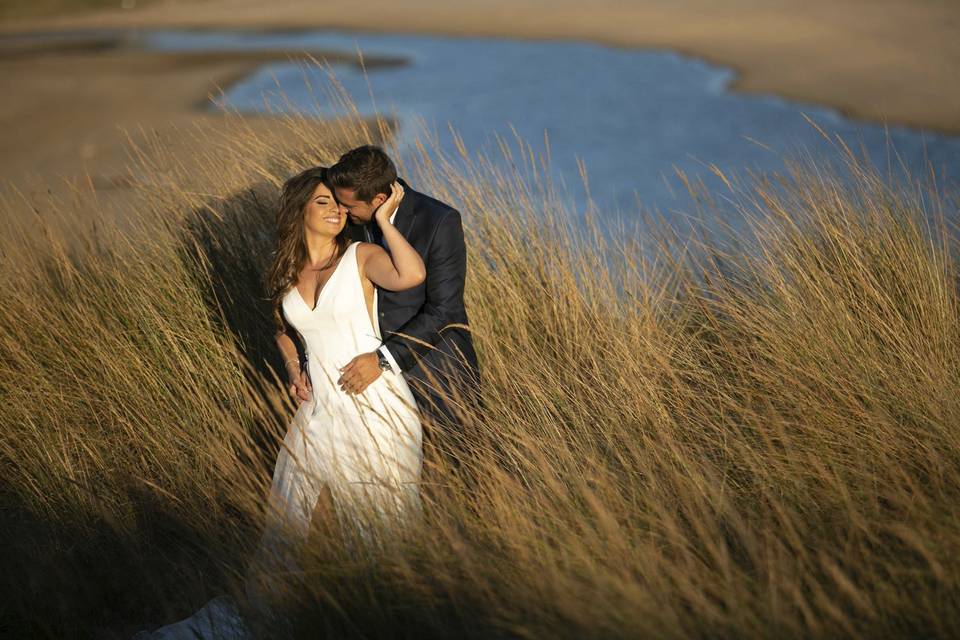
(367, 249)
(365, 252)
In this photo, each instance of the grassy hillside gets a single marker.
(750, 436)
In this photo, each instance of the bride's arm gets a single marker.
(298, 385)
(403, 267)
(400, 269)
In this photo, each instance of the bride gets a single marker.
(350, 452)
(360, 447)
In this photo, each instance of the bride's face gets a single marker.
(322, 214)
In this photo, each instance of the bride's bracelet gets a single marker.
(294, 360)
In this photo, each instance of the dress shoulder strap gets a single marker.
(350, 253)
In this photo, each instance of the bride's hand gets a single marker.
(300, 387)
(390, 205)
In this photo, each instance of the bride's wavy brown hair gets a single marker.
(290, 253)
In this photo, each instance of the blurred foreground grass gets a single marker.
(751, 436)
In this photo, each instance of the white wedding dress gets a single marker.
(366, 448)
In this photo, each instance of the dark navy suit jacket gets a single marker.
(425, 327)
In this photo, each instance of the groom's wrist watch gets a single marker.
(383, 362)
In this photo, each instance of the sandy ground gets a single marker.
(72, 112)
(895, 61)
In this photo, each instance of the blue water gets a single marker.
(631, 116)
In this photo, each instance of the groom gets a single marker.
(424, 329)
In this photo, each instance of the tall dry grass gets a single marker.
(682, 435)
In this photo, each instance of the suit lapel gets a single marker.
(406, 216)
(407, 213)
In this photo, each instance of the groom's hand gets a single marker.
(359, 373)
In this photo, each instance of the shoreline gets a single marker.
(70, 103)
(887, 62)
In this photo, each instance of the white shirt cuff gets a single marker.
(389, 356)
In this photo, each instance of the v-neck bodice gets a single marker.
(338, 327)
(318, 293)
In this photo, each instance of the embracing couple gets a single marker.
(367, 287)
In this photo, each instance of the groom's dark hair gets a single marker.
(366, 169)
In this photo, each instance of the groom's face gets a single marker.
(360, 212)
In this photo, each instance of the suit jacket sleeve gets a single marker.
(446, 266)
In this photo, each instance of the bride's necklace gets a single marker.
(328, 263)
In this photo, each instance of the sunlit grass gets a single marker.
(681, 435)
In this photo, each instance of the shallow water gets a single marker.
(631, 116)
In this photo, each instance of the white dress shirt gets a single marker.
(383, 349)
